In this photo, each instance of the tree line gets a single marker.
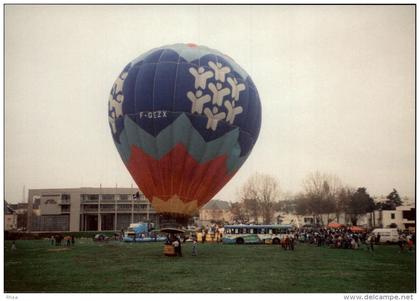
(322, 194)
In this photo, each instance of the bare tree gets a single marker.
(317, 183)
(252, 209)
(264, 190)
(239, 215)
(320, 194)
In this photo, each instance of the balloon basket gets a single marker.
(169, 250)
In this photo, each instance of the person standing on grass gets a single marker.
(410, 243)
(175, 243)
(353, 243)
(52, 239)
(194, 247)
(14, 245)
(203, 236)
(401, 243)
(292, 242)
(371, 241)
(286, 242)
(177, 247)
(367, 242)
(72, 240)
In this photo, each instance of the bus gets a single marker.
(255, 234)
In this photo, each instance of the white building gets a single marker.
(87, 209)
(10, 218)
(403, 217)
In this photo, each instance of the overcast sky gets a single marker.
(336, 84)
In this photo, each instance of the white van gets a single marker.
(387, 235)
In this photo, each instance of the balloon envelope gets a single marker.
(184, 118)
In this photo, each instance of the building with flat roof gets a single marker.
(10, 217)
(87, 209)
(403, 218)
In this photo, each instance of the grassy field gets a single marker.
(36, 266)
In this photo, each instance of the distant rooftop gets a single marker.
(8, 209)
(217, 204)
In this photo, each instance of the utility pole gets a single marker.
(115, 208)
(99, 208)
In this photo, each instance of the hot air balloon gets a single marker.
(184, 118)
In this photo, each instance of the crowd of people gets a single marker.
(334, 238)
(213, 232)
(406, 242)
(344, 238)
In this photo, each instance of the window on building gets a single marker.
(392, 215)
(93, 197)
(123, 197)
(107, 206)
(36, 202)
(108, 197)
(308, 220)
(87, 207)
(65, 197)
(50, 201)
(409, 214)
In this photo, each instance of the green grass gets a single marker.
(36, 266)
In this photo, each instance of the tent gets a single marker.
(335, 225)
(357, 229)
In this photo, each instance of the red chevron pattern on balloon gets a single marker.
(178, 174)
